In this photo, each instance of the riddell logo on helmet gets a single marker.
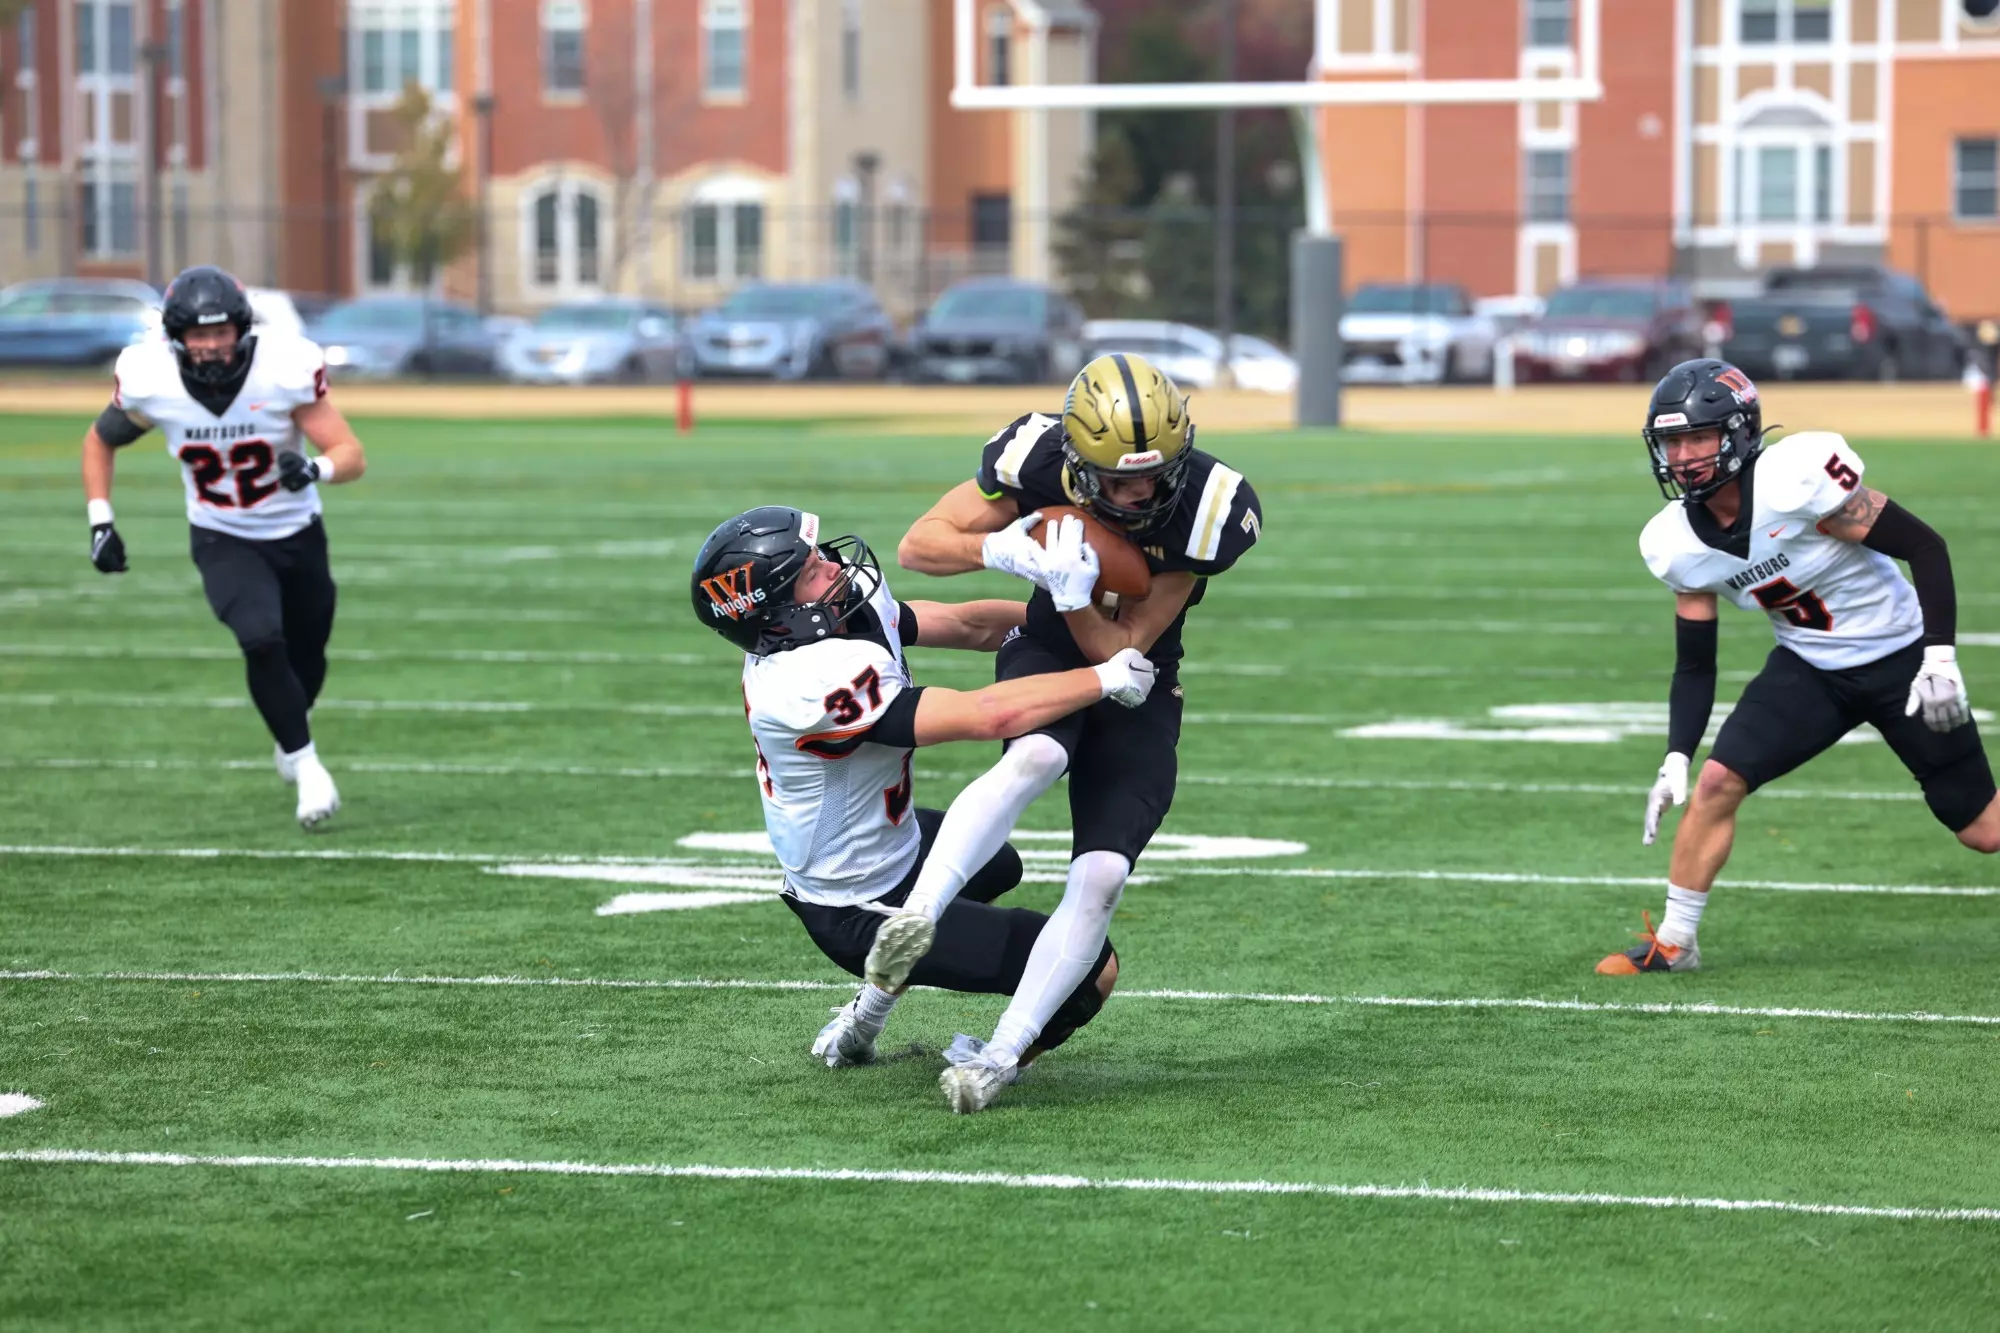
(1665, 419)
(730, 593)
(1146, 459)
(809, 529)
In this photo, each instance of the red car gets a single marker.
(1626, 330)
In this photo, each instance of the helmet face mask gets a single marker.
(1697, 397)
(205, 297)
(744, 581)
(1124, 419)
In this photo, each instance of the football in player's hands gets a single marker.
(1121, 565)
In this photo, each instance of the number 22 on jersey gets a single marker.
(248, 463)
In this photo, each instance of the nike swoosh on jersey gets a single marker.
(1775, 531)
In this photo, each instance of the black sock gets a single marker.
(275, 689)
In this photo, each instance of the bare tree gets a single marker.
(418, 207)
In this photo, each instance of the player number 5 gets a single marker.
(1842, 473)
(1803, 609)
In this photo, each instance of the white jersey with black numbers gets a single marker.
(229, 462)
(1835, 603)
(837, 807)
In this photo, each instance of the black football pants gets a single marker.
(277, 597)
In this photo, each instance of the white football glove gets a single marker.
(1670, 788)
(1127, 678)
(1014, 550)
(1069, 566)
(1939, 690)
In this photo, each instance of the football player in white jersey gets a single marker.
(834, 715)
(1791, 530)
(235, 407)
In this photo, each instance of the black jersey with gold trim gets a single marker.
(1215, 521)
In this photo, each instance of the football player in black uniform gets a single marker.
(1123, 451)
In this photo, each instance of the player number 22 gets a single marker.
(1803, 609)
(249, 461)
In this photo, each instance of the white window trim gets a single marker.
(724, 96)
(725, 193)
(1983, 219)
(581, 28)
(433, 17)
(567, 286)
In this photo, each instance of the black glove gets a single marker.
(296, 471)
(107, 549)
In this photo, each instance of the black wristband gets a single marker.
(1691, 696)
(1901, 535)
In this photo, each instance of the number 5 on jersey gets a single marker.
(1803, 609)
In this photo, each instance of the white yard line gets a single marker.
(1163, 871)
(178, 703)
(1004, 1180)
(1301, 782)
(65, 652)
(1575, 1006)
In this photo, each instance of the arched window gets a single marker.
(566, 235)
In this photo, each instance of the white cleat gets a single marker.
(318, 798)
(973, 1081)
(899, 946)
(286, 768)
(842, 1042)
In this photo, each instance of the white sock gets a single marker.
(1682, 917)
(981, 818)
(305, 754)
(1064, 952)
(871, 1009)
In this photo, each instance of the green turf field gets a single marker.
(522, 710)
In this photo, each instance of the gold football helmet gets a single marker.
(1124, 418)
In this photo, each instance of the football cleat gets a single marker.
(973, 1081)
(1652, 954)
(286, 768)
(843, 1042)
(899, 946)
(318, 798)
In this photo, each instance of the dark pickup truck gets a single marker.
(1840, 323)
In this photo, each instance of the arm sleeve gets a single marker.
(897, 725)
(906, 624)
(1691, 697)
(116, 427)
(1901, 535)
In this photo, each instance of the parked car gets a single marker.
(275, 310)
(1414, 333)
(987, 329)
(593, 341)
(384, 336)
(1841, 323)
(75, 321)
(1509, 313)
(1631, 330)
(792, 331)
(1192, 357)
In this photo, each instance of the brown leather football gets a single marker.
(1121, 565)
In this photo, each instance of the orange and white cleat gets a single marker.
(1652, 954)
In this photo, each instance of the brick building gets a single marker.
(673, 147)
(1733, 135)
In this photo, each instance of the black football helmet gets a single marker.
(742, 582)
(200, 297)
(1698, 395)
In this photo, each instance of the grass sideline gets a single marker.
(514, 563)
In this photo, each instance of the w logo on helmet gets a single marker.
(1737, 383)
(730, 593)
